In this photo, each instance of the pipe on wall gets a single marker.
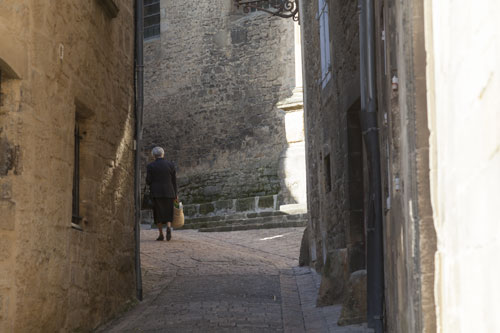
(139, 102)
(369, 125)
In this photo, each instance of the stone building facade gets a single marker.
(334, 160)
(437, 124)
(334, 152)
(409, 235)
(213, 79)
(340, 174)
(66, 163)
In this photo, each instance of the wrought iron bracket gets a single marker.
(281, 8)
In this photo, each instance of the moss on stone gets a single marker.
(206, 208)
(266, 202)
(245, 204)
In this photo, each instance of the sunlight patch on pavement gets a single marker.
(273, 237)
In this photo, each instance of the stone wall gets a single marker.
(337, 170)
(330, 142)
(464, 115)
(213, 79)
(63, 62)
(409, 235)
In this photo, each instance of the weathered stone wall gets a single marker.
(336, 228)
(409, 236)
(328, 138)
(60, 59)
(464, 115)
(213, 79)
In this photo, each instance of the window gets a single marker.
(75, 212)
(324, 38)
(151, 18)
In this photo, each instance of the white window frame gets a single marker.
(324, 38)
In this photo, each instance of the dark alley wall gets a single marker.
(329, 153)
(409, 235)
(336, 162)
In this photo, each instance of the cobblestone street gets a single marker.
(241, 281)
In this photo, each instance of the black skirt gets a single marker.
(163, 210)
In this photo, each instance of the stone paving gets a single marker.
(240, 281)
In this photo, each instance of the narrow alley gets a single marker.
(337, 163)
(240, 281)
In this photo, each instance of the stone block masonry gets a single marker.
(326, 120)
(252, 204)
(227, 184)
(339, 190)
(61, 63)
(225, 208)
(213, 79)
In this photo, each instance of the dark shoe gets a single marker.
(169, 234)
(160, 238)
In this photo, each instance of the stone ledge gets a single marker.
(300, 219)
(294, 208)
(271, 225)
(223, 207)
(229, 217)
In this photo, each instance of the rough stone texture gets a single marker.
(206, 208)
(8, 156)
(213, 79)
(326, 124)
(224, 205)
(227, 207)
(334, 279)
(328, 137)
(305, 257)
(246, 204)
(354, 304)
(59, 59)
(464, 117)
(266, 202)
(227, 184)
(336, 207)
(409, 235)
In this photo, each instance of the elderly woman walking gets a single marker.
(163, 187)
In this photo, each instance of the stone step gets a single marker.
(237, 216)
(252, 220)
(252, 226)
(294, 208)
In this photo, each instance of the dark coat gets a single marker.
(161, 179)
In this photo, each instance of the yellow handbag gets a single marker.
(178, 220)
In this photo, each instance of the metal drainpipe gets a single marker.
(374, 227)
(139, 100)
